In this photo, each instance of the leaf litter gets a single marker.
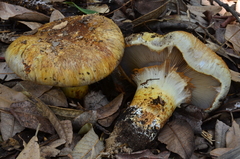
(182, 136)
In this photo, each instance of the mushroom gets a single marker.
(168, 70)
(73, 51)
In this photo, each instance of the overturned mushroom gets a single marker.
(168, 70)
(73, 51)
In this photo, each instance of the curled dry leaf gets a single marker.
(88, 147)
(179, 138)
(31, 25)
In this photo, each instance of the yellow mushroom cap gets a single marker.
(73, 51)
(210, 76)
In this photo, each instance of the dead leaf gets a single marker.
(56, 15)
(6, 73)
(31, 150)
(146, 154)
(192, 115)
(54, 97)
(47, 112)
(9, 126)
(179, 138)
(110, 108)
(103, 8)
(51, 149)
(66, 113)
(89, 147)
(31, 25)
(102, 112)
(36, 90)
(233, 136)
(235, 76)
(94, 100)
(232, 35)
(67, 126)
(219, 151)
(26, 111)
(231, 154)
(220, 134)
(17, 12)
(160, 11)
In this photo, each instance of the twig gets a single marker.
(229, 9)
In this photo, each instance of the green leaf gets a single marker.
(86, 11)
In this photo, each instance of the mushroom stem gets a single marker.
(160, 89)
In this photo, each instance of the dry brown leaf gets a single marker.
(179, 138)
(47, 112)
(9, 126)
(51, 149)
(13, 11)
(192, 115)
(110, 108)
(235, 76)
(56, 15)
(199, 10)
(147, 154)
(94, 100)
(67, 126)
(26, 111)
(101, 112)
(219, 151)
(6, 73)
(36, 90)
(54, 97)
(232, 35)
(31, 150)
(31, 25)
(231, 154)
(66, 113)
(160, 11)
(89, 147)
(103, 8)
(233, 136)
(220, 134)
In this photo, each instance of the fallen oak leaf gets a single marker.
(179, 138)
